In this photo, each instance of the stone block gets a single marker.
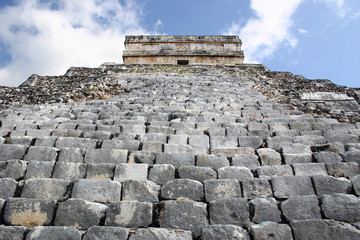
(129, 214)
(197, 173)
(341, 207)
(12, 232)
(223, 142)
(45, 141)
(140, 190)
(74, 142)
(178, 139)
(213, 161)
(54, 233)
(7, 187)
(22, 140)
(302, 126)
(153, 137)
(341, 137)
(264, 209)
(277, 142)
(178, 148)
(238, 173)
(325, 184)
(152, 147)
(250, 141)
(356, 184)
(161, 234)
(272, 230)
(100, 135)
(161, 173)
(175, 159)
(100, 171)
(106, 156)
(97, 190)
(221, 232)
(29, 212)
(39, 169)
(46, 188)
(183, 188)
(221, 189)
(113, 129)
(66, 133)
(297, 153)
(136, 129)
(71, 155)
(343, 169)
(269, 156)
(301, 208)
(288, 186)
(199, 141)
(87, 213)
(302, 169)
(233, 211)
(69, 170)
(309, 140)
(124, 171)
(128, 144)
(14, 169)
(12, 151)
(190, 215)
(106, 233)
(351, 156)
(256, 188)
(267, 172)
(230, 152)
(86, 127)
(327, 157)
(142, 157)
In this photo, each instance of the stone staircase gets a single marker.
(178, 156)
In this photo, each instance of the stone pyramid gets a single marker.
(180, 153)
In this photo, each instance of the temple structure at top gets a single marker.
(183, 50)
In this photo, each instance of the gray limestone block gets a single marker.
(137, 129)
(197, 173)
(106, 156)
(2, 203)
(264, 209)
(160, 234)
(234, 211)
(182, 125)
(75, 142)
(22, 140)
(278, 126)
(39, 169)
(212, 160)
(29, 212)
(269, 156)
(288, 186)
(341, 137)
(160, 129)
(267, 172)
(356, 184)
(106, 233)
(183, 188)
(343, 169)
(351, 156)
(140, 190)
(12, 232)
(199, 141)
(221, 189)
(128, 144)
(45, 141)
(297, 153)
(255, 126)
(336, 147)
(250, 141)
(178, 148)
(12, 151)
(153, 137)
(223, 142)
(125, 171)
(272, 230)
(178, 139)
(233, 172)
(353, 147)
(87, 115)
(277, 142)
(302, 126)
(113, 129)
(287, 133)
(309, 140)
(14, 169)
(341, 207)
(302, 169)
(327, 157)
(256, 188)
(71, 155)
(161, 173)
(69, 170)
(217, 132)
(230, 152)
(221, 232)
(97, 190)
(301, 208)
(100, 171)
(46, 188)
(190, 215)
(86, 127)
(7, 187)
(152, 146)
(129, 214)
(245, 160)
(325, 184)
(100, 135)
(66, 133)
(175, 159)
(79, 213)
(142, 157)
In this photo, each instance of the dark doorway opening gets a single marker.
(183, 62)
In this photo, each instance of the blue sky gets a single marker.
(313, 38)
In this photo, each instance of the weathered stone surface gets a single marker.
(124, 171)
(271, 230)
(325, 184)
(183, 188)
(327, 157)
(129, 214)
(175, 159)
(197, 173)
(71, 155)
(351, 156)
(250, 141)
(221, 189)
(142, 157)
(12, 151)
(277, 142)
(302, 169)
(45, 141)
(106, 233)
(46, 188)
(267, 172)
(97, 190)
(246, 160)
(221, 232)
(12, 169)
(256, 188)
(288, 186)
(140, 190)
(191, 215)
(69, 170)
(238, 173)
(301, 208)
(341, 207)
(7, 187)
(100, 171)
(40, 153)
(264, 209)
(356, 184)
(213, 161)
(74, 142)
(106, 156)
(79, 213)
(297, 153)
(161, 234)
(29, 212)
(12, 232)
(54, 233)
(343, 169)
(39, 169)
(269, 156)
(161, 173)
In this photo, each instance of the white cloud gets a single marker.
(268, 29)
(158, 25)
(47, 37)
(302, 31)
(337, 5)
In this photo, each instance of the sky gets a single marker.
(318, 39)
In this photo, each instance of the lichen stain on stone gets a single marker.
(29, 217)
